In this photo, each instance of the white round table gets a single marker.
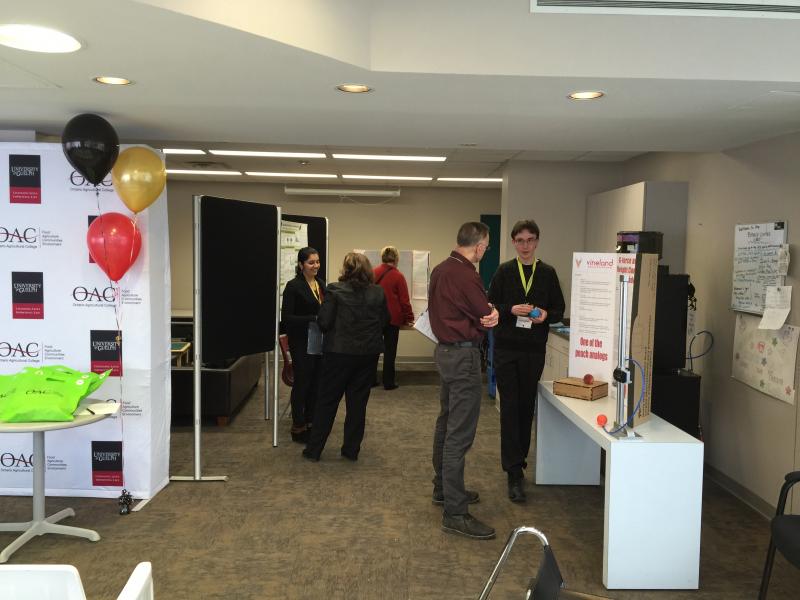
(40, 524)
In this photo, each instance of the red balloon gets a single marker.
(114, 242)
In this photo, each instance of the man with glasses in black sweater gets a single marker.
(526, 293)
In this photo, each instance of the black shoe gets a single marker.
(516, 492)
(438, 497)
(393, 386)
(300, 434)
(468, 526)
(309, 455)
(349, 455)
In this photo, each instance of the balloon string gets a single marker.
(117, 319)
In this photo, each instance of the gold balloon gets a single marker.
(139, 177)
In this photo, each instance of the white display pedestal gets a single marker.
(653, 489)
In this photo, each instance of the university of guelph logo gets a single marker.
(106, 351)
(107, 463)
(25, 178)
(27, 295)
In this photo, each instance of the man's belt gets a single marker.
(461, 344)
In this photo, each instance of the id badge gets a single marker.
(524, 322)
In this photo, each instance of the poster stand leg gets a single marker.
(266, 386)
(198, 346)
(622, 376)
(275, 354)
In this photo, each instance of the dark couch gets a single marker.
(224, 390)
(225, 387)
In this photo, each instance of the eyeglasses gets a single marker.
(525, 241)
(486, 248)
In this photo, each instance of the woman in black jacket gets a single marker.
(352, 318)
(302, 298)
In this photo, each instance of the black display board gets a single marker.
(317, 237)
(238, 246)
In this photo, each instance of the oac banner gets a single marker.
(58, 307)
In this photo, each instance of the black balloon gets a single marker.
(91, 146)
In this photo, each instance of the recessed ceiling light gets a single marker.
(586, 95)
(199, 172)
(37, 39)
(472, 179)
(390, 157)
(354, 88)
(182, 151)
(311, 175)
(107, 80)
(269, 154)
(397, 177)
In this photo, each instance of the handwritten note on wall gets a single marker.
(759, 250)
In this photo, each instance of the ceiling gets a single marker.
(479, 81)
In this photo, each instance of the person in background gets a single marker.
(521, 286)
(459, 315)
(395, 288)
(352, 318)
(302, 298)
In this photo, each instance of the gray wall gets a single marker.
(554, 195)
(420, 219)
(750, 438)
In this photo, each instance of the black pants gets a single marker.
(460, 401)
(305, 390)
(351, 375)
(390, 337)
(517, 375)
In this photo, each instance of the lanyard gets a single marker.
(315, 290)
(526, 285)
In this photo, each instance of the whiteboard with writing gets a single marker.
(757, 250)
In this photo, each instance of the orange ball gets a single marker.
(602, 420)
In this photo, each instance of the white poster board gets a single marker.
(43, 226)
(764, 359)
(415, 267)
(592, 321)
(294, 237)
(759, 255)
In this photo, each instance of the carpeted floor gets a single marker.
(282, 527)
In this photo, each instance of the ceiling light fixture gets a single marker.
(472, 179)
(37, 39)
(390, 157)
(309, 175)
(296, 191)
(106, 80)
(182, 151)
(395, 177)
(586, 95)
(199, 172)
(354, 88)
(268, 154)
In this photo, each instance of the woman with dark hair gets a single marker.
(302, 298)
(352, 318)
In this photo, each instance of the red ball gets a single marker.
(602, 420)
(588, 379)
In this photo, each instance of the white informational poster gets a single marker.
(765, 360)
(777, 306)
(592, 321)
(294, 237)
(760, 260)
(59, 308)
(415, 267)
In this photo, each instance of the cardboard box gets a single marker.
(574, 387)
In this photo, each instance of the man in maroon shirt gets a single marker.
(459, 314)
